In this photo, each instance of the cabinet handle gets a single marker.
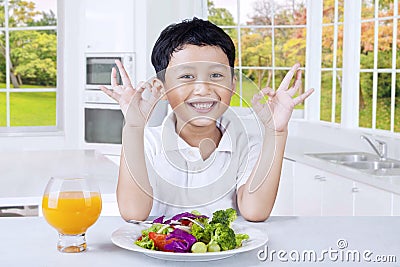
(317, 177)
(322, 179)
(355, 190)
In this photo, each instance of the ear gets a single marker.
(157, 83)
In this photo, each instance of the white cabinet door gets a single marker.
(307, 190)
(284, 200)
(337, 196)
(370, 201)
(109, 27)
(396, 204)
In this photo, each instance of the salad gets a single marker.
(187, 236)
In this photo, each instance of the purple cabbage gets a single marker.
(182, 241)
(184, 214)
(159, 219)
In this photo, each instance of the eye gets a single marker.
(187, 76)
(216, 76)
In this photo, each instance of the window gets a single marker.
(270, 37)
(380, 65)
(331, 61)
(28, 65)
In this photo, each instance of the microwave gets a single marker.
(99, 66)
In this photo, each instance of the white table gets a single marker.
(24, 174)
(30, 241)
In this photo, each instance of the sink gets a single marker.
(373, 165)
(346, 157)
(361, 161)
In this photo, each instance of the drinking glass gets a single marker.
(71, 206)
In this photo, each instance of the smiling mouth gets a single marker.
(203, 107)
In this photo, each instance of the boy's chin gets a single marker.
(202, 122)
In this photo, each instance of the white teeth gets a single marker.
(202, 105)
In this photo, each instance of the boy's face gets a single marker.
(199, 84)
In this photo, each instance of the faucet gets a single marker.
(381, 150)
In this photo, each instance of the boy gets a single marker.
(200, 158)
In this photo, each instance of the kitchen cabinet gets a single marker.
(370, 201)
(307, 190)
(321, 193)
(396, 205)
(284, 203)
(109, 27)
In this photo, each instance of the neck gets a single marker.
(193, 135)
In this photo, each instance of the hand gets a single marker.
(275, 114)
(135, 108)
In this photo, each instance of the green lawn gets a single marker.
(29, 109)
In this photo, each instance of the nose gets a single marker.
(201, 88)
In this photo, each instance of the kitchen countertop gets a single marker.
(30, 241)
(297, 147)
(24, 175)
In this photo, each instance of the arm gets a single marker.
(134, 192)
(256, 198)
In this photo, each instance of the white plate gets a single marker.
(126, 236)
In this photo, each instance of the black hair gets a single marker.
(194, 32)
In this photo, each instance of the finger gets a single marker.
(296, 86)
(114, 81)
(124, 76)
(303, 96)
(110, 93)
(268, 91)
(288, 77)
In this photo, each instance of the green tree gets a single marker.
(32, 53)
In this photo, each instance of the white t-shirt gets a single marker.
(182, 181)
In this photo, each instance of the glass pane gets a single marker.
(328, 11)
(256, 47)
(398, 44)
(290, 46)
(386, 8)
(33, 109)
(365, 101)
(290, 12)
(2, 61)
(222, 12)
(383, 101)
(256, 12)
(2, 13)
(250, 87)
(3, 110)
(367, 45)
(339, 49)
(367, 9)
(397, 105)
(326, 96)
(340, 10)
(34, 58)
(338, 102)
(32, 13)
(385, 44)
(327, 47)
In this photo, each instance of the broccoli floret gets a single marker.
(203, 235)
(240, 238)
(224, 236)
(224, 216)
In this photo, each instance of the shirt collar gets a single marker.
(172, 141)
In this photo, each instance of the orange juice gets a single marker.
(71, 213)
